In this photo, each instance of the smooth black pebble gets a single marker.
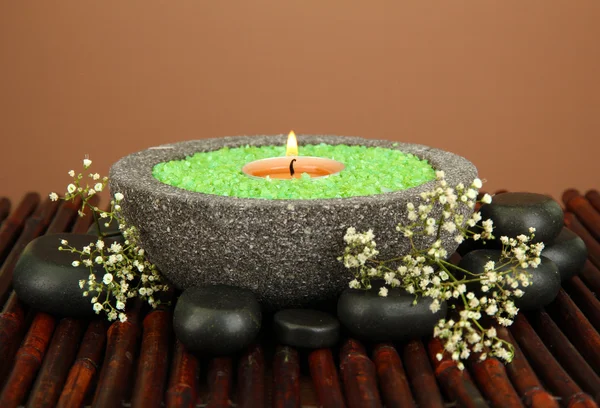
(112, 230)
(45, 279)
(372, 317)
(568, 252)
(217, 319)
(545, 278)
(514, 213)
(306, 328)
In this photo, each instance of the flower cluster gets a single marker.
(118, 268)
(425, 272)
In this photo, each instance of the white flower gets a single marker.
(119, 196)
(120, 305)
(477, 183)
(72, 173)
(122, 317)
(75, 263)
(87, 163)
(115, 247)
(71, 188)
(486, 199)
(97, 307)
(100, 244)
(53, 196)
(96, 176)
(98, 187)
(383, 291)
(108, 278)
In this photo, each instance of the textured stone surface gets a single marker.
(217, 319)
(392, 318)
(306, 328)
(284, 250)
(46, 280)
(545, 278)
(568, 252)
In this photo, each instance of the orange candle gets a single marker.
(292, 165)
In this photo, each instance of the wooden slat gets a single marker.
(393, 381)
(421, 376)
(547, 367)
(590, 275)
(286, 378)
(153, 361)
(183, 383)
(586, 213)
(592, 245)
(524, 378)
(359, 376)
(325, 378)
(27, 361)
(11, 227)
(566, 354)
(456, 383)
(594, 198)
(220, 382)
(251, 378)
(492, 380)
(4, 209)
(53, 372)
(121, 349)
(86, 365)
(577, 328)
(585, 300)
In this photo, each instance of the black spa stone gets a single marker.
(217, 319)
(45, 279)
(110, 231)
(545, 278)
(369, 316)
(568, 252)
(514, 213)
(306, 328)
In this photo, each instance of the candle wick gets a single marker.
(292, 171)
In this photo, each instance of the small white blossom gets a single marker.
(87, 163)
(383, 291)
(53, 196)
(71, 188)
(119, 196)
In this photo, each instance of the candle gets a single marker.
(292, 166)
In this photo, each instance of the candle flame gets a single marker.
(292, 145)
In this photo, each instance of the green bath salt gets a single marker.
(368, 171)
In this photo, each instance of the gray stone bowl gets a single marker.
(284, 250)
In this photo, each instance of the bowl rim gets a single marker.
(134, 171)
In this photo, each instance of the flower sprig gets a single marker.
(119, 269)
(426, 272)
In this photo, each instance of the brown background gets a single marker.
(512, 85)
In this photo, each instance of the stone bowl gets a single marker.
(284, 250)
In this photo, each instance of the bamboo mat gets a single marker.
(47, 361)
